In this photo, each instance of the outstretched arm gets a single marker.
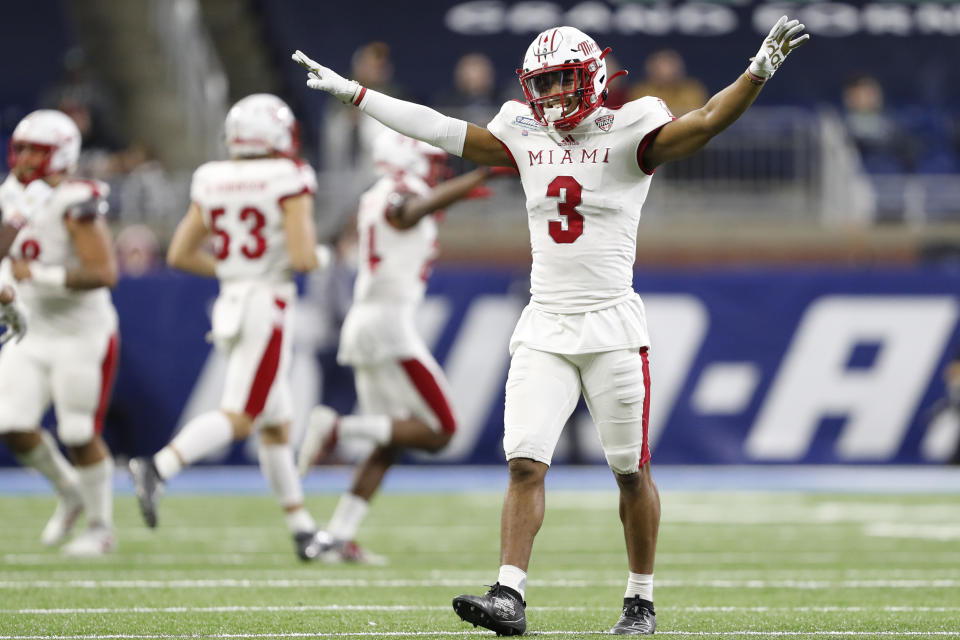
(410, 211)
(692, 131)
(414, 120)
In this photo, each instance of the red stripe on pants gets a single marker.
(645, 449)
(430, 391)
(266, 372)
(108, 372)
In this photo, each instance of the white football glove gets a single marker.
(321, 78)
(14, 318)
(778, 43)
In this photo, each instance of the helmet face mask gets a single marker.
(563, 77)
(45, 143)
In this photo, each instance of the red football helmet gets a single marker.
(396, 153)
(564, 77)
(53, 131)
(261, 124)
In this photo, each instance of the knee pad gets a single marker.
(74, 429)
(623, 460)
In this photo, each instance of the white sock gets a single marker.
(47, 459)
(96, 490)
(299, 520)
(640, 584)
(276, 463)
(378, 429)
(513, 577)
(346, 518)
(199, 438)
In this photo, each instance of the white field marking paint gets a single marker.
(940, 583)
(243, 559)
(941, 532)
(445, 634)
(204, 562)
(351, 607)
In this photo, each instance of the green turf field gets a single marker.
(730, 565)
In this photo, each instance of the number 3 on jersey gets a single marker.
(255, 246)
(570, 227)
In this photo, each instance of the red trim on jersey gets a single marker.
(431, 392)
(509, 154)
(360, 97)
(108, 372)
(645, 448)
(93, 184)
(642, 147)
(304, 191)
(267, 370)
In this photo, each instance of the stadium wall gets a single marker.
(812, 365)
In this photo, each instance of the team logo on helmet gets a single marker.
(604, 122)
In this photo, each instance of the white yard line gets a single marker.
(941, 558)
(434, 634)
(364, 607)
(943, 583)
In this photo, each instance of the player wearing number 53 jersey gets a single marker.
(585, 171)
(60, 264)
(257, 208)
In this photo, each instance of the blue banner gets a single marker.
(748, 366)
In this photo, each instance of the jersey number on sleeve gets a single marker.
(568, 190)
(256, 244)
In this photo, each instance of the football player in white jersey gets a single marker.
(585, 170)
(60, 267)
(402, 392)
(257, 207)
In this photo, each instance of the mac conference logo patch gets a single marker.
(604, 122)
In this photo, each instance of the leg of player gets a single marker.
(200, 437)
(38, 450)
(353, 506)
(542, 391)
(616, 387)
(95, 468)
(276, 463)
(502, 609)
(640, 515)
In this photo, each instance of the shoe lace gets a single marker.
(497, 590)
(636, 609)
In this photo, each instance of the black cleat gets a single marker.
(311, 544)
(148, 485)
(637, 619)
(501, 610)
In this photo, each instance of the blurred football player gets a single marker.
(586, 170)
(257, 207)
(60, 267)
(402, 392)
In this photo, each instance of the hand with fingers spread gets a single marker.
(323, 79)
(781, 40)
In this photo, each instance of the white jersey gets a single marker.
(241, 204)
(585, 188)
(45, 239)
(391, 278)
(394, 263)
